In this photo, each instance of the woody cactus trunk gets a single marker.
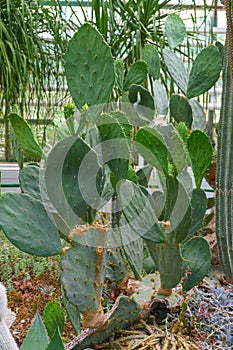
(224, 176)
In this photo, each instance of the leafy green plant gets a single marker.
(15, 263)
(37, 337)
(30, 62)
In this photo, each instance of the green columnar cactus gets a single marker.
(169, 239)
(7, 342)
(224, 176)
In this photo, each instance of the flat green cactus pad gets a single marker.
(83, 268)
(27, 225)
(89, 67)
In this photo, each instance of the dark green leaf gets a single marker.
(53, 318)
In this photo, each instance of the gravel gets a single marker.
(213, 310)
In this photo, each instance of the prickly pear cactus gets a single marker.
(7, 342)
(183, 212)
(196, 261)
(199, 116)
(176, 68)
(175, 30)
(151, 57)
(29, 179)
(201, 152)
(125, 312)
(115, 144)
(136, 74)
(83, 272)
(89, 67)
(67, 176)
(205, 71)
(181, 110)
(28, 226)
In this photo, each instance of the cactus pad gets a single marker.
(200, 152)
(181, 110)
(176, 69)
(133, 248)
(32, 182)
(136, 74)
(125, 312)
(151, 146)
(199, 207)
(89, 67)
(119, 73)
(178, 209)
(27, 225)
(115, 145)
(82, 180)
(175, 30)
(25, 136)
(116, 268)
(139, 212)
(65, 181)
(205, 71)
(82, 269)
(196, 261)
(199, 117)
(144, 174)
(143, 102)
(161, 99)
(151, 57)
(29, 179)
(169, 262)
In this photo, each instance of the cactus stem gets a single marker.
(164, 291)
(93, 320)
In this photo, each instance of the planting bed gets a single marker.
(204, 321)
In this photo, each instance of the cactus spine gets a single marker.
(224, 179)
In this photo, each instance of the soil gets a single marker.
(27, 297)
